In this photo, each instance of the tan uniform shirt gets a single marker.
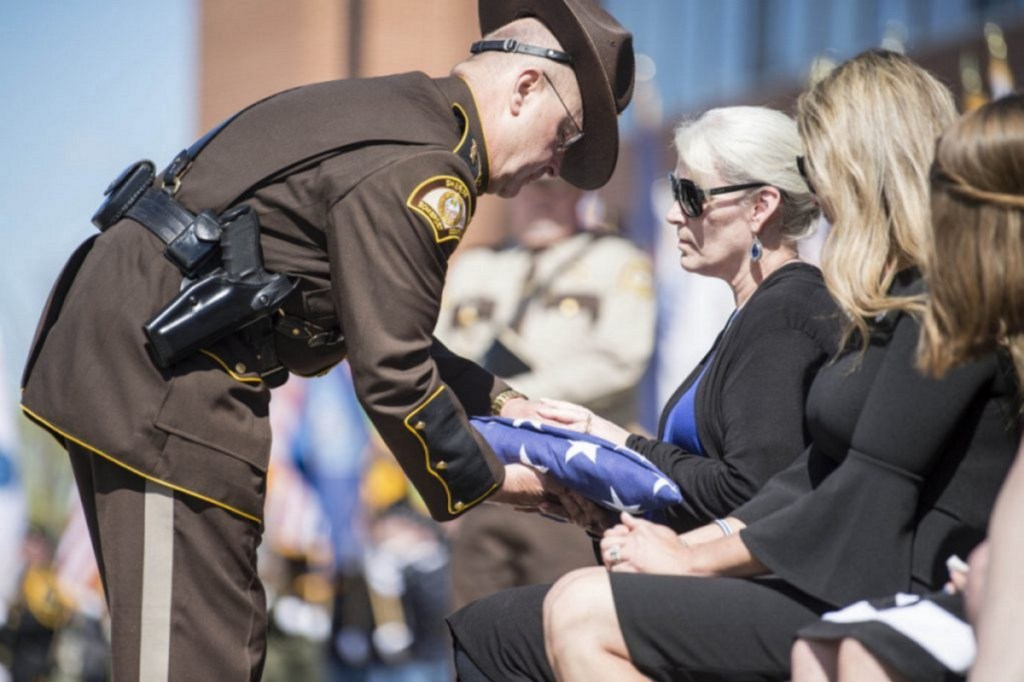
(586, 331)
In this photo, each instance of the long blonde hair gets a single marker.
(975, 268)
(869, 128)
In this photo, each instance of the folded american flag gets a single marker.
(610, 475)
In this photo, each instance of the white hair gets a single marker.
(751, 144)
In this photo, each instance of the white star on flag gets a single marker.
(616, 503)
(535, 424)
(579, 447)
(525, 459)
(659, 484)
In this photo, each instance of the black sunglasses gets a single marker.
(691, 197)
(801, 165)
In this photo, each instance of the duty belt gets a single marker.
(226, 289)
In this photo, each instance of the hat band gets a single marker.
(513, 45)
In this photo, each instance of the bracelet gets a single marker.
(724, 525)
(499, 400)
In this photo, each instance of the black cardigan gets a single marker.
(903, 471)
(749, 406)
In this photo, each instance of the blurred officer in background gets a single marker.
(566, 311)
(37, 614)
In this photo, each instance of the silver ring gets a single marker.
(613, 554)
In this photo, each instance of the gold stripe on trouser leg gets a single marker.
(157, 571)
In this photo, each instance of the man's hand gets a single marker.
(523, 487)
(572, 506)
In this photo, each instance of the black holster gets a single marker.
(230, 298)
(226, 287)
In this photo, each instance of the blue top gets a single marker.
(681, 426)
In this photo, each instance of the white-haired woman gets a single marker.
(740, 206)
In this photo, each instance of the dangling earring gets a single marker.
(756, 250)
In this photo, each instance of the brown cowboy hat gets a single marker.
(602, 58)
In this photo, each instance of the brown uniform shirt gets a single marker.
(363, 189)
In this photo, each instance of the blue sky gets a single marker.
(88, 86)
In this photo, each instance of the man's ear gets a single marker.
(527, 84)
(767, 202)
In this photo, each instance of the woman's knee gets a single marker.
(857, 662)
(578, 602)
(813, 661)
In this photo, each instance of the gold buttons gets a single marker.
(569, 306)
(295, 332)
(420, 425)
(240, 368)
(459, 506)
(441, 465)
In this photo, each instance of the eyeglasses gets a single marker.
(801, 165)
(691, 198)
(573, 138)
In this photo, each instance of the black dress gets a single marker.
(903, 471)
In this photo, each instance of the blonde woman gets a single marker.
(975, 274)
(903, 468)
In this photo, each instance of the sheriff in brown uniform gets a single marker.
(362, 190)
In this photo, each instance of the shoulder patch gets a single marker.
(636, 278)
(445, 203)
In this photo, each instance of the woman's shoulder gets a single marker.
(792, 300)
(793, 296)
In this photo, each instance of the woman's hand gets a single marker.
(578, 418)
(639, 546)
(973, 583)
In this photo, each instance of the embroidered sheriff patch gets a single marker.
(444, 202)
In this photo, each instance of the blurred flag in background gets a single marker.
(12, 497)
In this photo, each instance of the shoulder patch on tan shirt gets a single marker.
(444, 202)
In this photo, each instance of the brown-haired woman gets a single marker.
(975, 275)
